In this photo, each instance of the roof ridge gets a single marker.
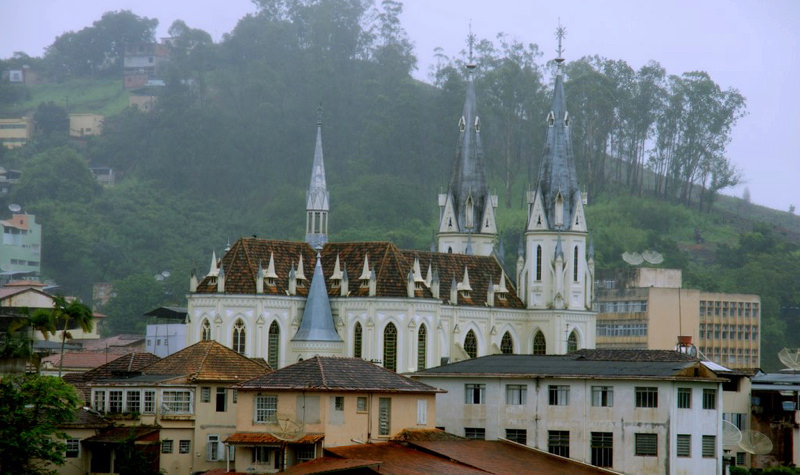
(204, 358)
(322, 371)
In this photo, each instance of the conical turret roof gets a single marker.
(317, 323)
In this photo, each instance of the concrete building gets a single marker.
(165, 331)
(776, 416)
(21, 249)
(83, 125)
(647, 308)
(643, 412)
(143, 62)
(15, 132)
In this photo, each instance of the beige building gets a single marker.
(82, 125)
(649, 309)
(15, 132)
(286, 417)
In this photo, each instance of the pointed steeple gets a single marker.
(317, 197)
(317, 323)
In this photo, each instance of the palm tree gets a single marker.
(73, 312)
(41, 320)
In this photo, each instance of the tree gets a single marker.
(133, 296)
(72, 314)
(59, 174)
(51, 119)
(32, 408)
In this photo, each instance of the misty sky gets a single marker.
(749, 45)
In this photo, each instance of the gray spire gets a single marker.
(317, 323)
(317, 197)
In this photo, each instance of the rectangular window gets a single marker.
(474, 393)
(709, 398)
(516, 394)
(176, 402)
(166, 446)
(338, 403)
(99, 401)
(710, 446)
(213, 450)
(261, 455)
(684, 445)
(73, 448)
(738, 419)
(558, 395)
(519, 436)
(684, 398)
(149, 402)
(133, 401)
(384, 416)
(741, 458)
(184, 446)
(422, 412)
(222, 400)
(115, 402)
(602, 449)
(205, 394)
(558, 442)
(646, 397)
(266, 409)
(234, 395)
(478, 433)
(361, 404)
(304, 453)
(602, 396)
(646, 445)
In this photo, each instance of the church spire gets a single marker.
(317, 197)
(317, 323)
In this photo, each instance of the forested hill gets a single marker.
(228, 148)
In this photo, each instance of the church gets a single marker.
(409, 310)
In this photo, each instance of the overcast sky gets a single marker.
(749, 45)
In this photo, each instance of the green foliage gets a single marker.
(134, 296)
(58, 174)
(31, 410)
(51, 119)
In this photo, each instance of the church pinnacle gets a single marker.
(317, 197)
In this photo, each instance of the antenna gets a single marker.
(561, 33)
(731, 435)
(755, 442)
(14, 208)
(790, 357)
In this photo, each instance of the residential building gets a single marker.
(775, 418)
(411, 310)
(21, 249)
(104, 175)
(643, 412)
(15, 132)
(647, 308)
(143, 62)
(82, 125)
(287, 416)
(166, 330)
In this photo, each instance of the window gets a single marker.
(602, 449)
(538, 263)
(471, 344)
(73, 448)
(519, 436)
(646, 445)
(384, 416)
(709, 446)
(709, 398)
(736, 418)
(575, 264)
(115, 402)
(516, 394)
(206, 331)
(273, 345)
(222, 400)
(338, 403)
(166, 446)
(99, 401)
(234, 395)
(602, 396)
(474, 393)
(214, 450)
(390, 347)
(176, 402)
(558, 395)
(741, 458)
(646, 397)
(478, 433)
(357, 340)
(422, 337)
(572, 342)
(422, 412)
(361, 404)
(539, 344)
(184, 446)
(507, 344)
(239, 337)
(304, 452)
(205, 394)
(684, 398)
(261, 455)
(266, 409)
(684, 445)
(558, 442)
(133, 401)
(149, 402)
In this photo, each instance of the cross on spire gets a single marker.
(471, 43)
(561, 33)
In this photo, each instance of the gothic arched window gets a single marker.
(239, 336)
(357, 332)
(539, 344)
(206, 336)
(471, 344)
(390, 347)
(538, 263)
(575, 265)
(507, 344)
(273, 345)
(422, 340)
(572, 342)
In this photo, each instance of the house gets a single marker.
(644, 412)
(775, 424)
(411, 310)
(15, 132)
(166, 330)
(646, 308)
(82, 125)
(288, 416)
(143, 62)
(185, 397)
(21, 249)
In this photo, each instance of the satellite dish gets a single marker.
(790, 357)
(632, 258)
(289, 429)
(652, 257)
(14, 208)
(166, 274)
(158, 277)
(731, 435)
(755, 442)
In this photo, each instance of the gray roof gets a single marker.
(557, 169)
(575, 365)
(317, 323)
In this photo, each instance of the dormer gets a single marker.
(364, 278)
(336, 277)
(419, 281)
(270, 277)
(463, 287)
(300, 276)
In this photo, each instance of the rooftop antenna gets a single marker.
(756, 443)
(471, 42)
(790, 357)
(561, 33)
(731, 435)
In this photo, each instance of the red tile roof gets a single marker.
(78, 359)
(207, 361)
(332, 465)
(118, 366)
(397, 459)
(265, 438)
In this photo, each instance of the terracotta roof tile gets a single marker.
(331, 465)
(267, 438)
(119, 366)
(399, 460)
(207, 361)
(322, 373)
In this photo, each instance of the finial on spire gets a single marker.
(561, 33)
(471, 43)
(319, 115)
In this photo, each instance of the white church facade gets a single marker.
(410, 310)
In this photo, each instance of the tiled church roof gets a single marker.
(390, 264)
